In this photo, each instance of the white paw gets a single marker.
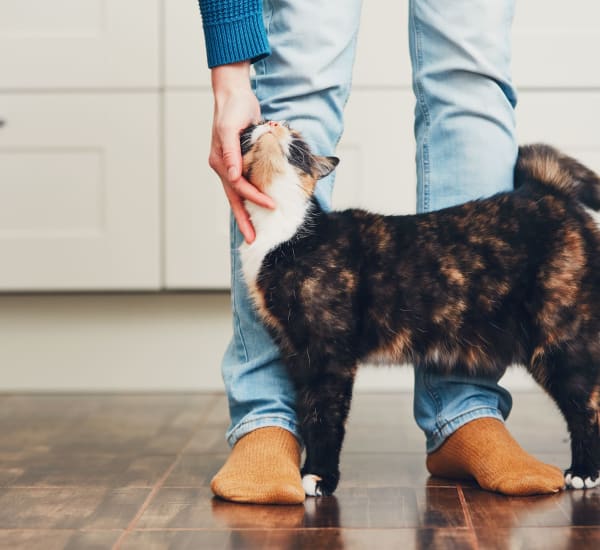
(309, 483)
(590, 484)
(576, 482)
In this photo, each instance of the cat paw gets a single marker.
(581, 481)
(319, 486)
(310, 485)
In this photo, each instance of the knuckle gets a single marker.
(229, 156)
(213, 161)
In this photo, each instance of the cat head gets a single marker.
(272, 151)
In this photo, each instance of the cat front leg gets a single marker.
(579, 400)
(323, 404)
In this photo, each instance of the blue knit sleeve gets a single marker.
(233, 31)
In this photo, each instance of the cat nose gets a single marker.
(273, 124)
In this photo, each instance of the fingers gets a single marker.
(226, 161)
(236, 194)
(236, 106)
(249, 192)
(240, 214)
(231, 155)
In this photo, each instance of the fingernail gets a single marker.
(232, 173)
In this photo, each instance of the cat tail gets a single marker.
(543, 165)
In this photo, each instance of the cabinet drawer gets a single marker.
(79, 192)
(79, 43)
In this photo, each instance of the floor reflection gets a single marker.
(311, 525)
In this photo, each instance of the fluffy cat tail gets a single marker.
(543, 165)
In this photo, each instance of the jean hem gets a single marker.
(435, 439)
(251, 424)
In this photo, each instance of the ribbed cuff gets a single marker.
(236, 41)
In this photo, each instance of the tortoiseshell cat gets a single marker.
(469, 289)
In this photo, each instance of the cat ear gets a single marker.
(325, 165)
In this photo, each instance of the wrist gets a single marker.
(230, 78)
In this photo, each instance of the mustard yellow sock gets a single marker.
(263, 468)
(484, 450)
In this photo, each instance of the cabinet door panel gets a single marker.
(555, 44)
(197, 213)
(79, 43)
(382, 56)
(377, 161)
(79, 192)
(567, 120)
(185, 54)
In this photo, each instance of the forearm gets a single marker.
(233, 31)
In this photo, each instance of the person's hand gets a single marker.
(236, 107)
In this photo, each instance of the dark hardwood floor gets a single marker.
(132, 472)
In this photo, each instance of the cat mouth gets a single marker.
(270, 129)
(253, 133)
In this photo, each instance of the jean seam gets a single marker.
(435, 397)
(234, 297)
(422, 104)
(262, 64)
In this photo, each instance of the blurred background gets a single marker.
(114, 266)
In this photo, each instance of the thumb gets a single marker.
(232, 157)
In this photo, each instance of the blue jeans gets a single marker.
(466, 148)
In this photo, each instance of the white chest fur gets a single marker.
(274, 227)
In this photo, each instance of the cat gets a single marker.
(467, 290)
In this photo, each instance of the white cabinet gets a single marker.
(566, 119)
(382, 56)
(79, 43)
(80, 147)
(79, 192)
(185, 54)
(555, 44)
(377, 173)
(196, 210)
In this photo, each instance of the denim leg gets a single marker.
(466, 149)
(306, 81)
